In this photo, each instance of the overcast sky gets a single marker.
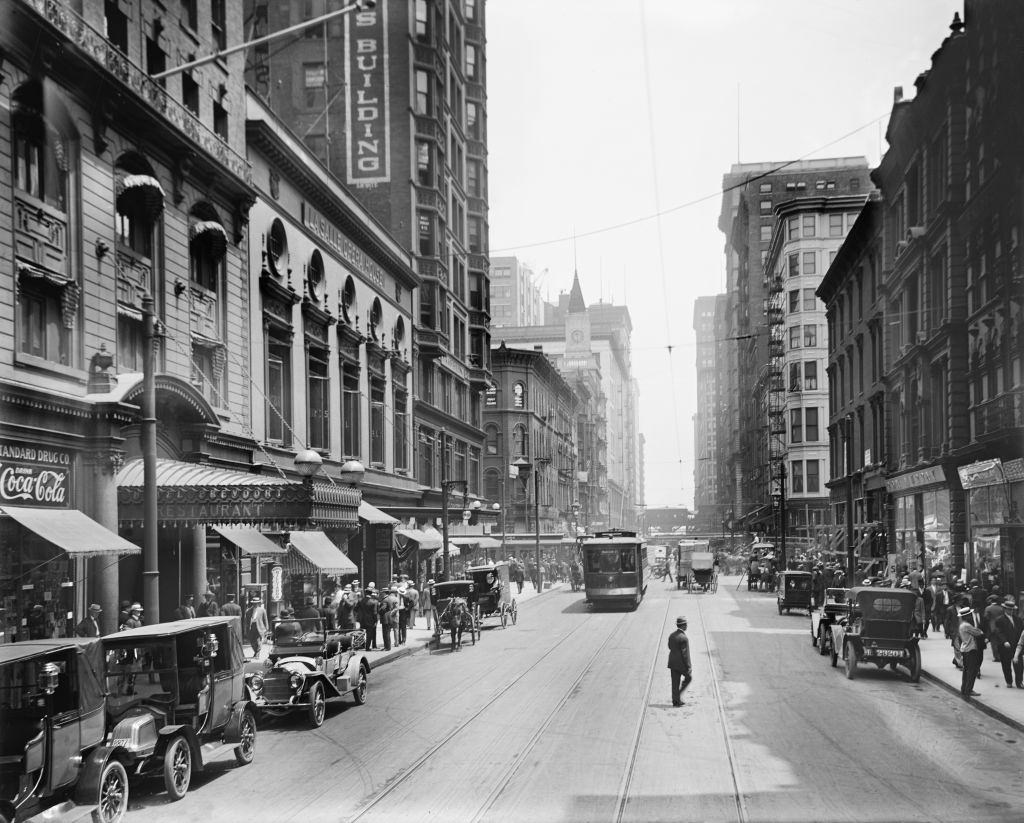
(602, 113)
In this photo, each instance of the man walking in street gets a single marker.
(1006, 636)
(256, 626)
(366, 614)
(679, 661)
(187, 610)
(970, 648)
(90, 624)
(231, 608)
(209, 607)
(940, 601)
(134, 618)
(426, 606)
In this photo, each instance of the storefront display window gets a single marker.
(36, 587)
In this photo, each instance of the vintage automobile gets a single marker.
(835, 607)
(304, 666)
(794, 591)
(52, 759)
(493, 594)
(445, 598)
(879, 630)
(176, 698)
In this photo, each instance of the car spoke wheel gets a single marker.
(112, 796)
(177, 768)
(851, 662)
(515, 613)
(246, 748)
(504, 617)
(317, 705)
(359, 692)
(822, 640)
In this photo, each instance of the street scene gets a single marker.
(495, 410)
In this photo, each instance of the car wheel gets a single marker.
(359, 692)
(112, 793)
(822, 641)
(851, 661)
(177, 768)
(515, 613)
(835, 655)
(915, 665)
(246, 748)
(317, 705)
(504, 617)
(779, 604)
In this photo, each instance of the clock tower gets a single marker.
(577, 321)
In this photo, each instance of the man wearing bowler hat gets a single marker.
(1006, 634)
(679, 661)
(970, 648)
(89, 626)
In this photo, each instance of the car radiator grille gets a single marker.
(276, 690)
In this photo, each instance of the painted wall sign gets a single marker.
(34, 476)
(345, 248)
(916, 479)
(367, 140)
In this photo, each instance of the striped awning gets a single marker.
(425, 540)
(71, 531)
(371, 514)
(320, 554)
(250, 541)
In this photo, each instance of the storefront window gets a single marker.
(35, 600)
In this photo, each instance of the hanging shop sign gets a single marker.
(31, 475)
(982, 473)
(277, 583)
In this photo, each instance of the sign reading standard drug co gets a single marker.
(31, 475)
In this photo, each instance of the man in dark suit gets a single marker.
(1006, 634)
(679, 661)
(940, 602)
(89, 626)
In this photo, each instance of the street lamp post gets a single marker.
(781, 497)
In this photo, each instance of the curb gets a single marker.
(984, 708)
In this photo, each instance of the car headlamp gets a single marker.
(295, 681)
(256, 682)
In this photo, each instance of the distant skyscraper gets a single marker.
(515, 294)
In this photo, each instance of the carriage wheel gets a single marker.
(515, 612)
(504, 616)
(714, 584)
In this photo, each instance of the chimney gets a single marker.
(897, 94)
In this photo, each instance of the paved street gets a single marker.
(566, 716)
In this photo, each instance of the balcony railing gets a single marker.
(94, 44)
(999, 415)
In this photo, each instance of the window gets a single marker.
(765, 188)
(279, 391)
(792, 228)
(810, 336)
(41, 330)
(519, 396)
(813, 477)
(470, 9)
(796, 431)
(473, 130)
(401, 401)
(115, 25)
(423, 93)
(835, 225)
(156, 60)
(424, 163)
(318, 398)
(189, 14)
(426, 234)
(766, 233)
(350, 410)
(470, 62)
(809, 262)
(796, 476)
(519, 443)
(794, 265)
(376, 421)
(220, 121)
(811, 425)
(810, 375)
(794, 300)
(794, 337)
(422, 25)
(190, 93)
(794, 377)
(809, 300)
(474, 182)
(218, 23)
(130, 346)
(492, 439)
(854, 184)
(766, 206)
(476, 245)
(810, 226)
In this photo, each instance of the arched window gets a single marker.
(519, 441)
(519, 396)
(492, 439)
(207, 252)
(492, 484)
(44, 150)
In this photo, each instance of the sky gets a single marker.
(606, 113)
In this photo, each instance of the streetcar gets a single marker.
(615, 568)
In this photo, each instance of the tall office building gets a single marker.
(393, 102)
(710, 486)
(515, 294)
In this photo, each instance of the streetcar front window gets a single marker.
(604, 560)
(629, 560)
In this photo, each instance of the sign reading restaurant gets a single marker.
(34, 476)
(367, 138)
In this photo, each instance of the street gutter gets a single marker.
(981, 707)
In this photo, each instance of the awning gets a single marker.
(141, 191)
(72, 531)
(453, 551)
(321, 553)
(250, 541)
(371, 514)
(481, 541)
(425, 540)
(211, 234)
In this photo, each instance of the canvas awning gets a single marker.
(371, 514)
(320, 553)
(71, 531)
(453, 551)
(481, 541)
(141, 191)
(425, 540)
(250, 541)
(211, 233)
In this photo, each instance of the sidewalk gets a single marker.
(420, 637)
(995, 699)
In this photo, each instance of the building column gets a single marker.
(102, 584)
(199, 581)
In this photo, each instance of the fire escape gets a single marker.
(775, 470)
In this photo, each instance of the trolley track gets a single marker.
(411, 770)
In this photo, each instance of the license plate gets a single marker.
(888, 652)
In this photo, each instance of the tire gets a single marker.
(779, 604)
(822, 641)
(835, 655)
(851, 661)
(317, 705)
(504, 617)
(515, 613)
(359, 692)
(915, 665)
(111, 793)
(177, 768)
(246, 748)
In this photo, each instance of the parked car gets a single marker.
(176, 698)
(835, 608)
(794, 591)
(306, 666)
(879, 630)
(52, 757)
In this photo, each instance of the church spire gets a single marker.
(576, 304)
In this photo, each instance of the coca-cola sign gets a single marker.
(33, 476)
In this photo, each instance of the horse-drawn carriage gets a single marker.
(695, 567)
(762, 571)
(492, 593)
(455, 611)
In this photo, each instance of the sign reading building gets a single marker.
(367, 138)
